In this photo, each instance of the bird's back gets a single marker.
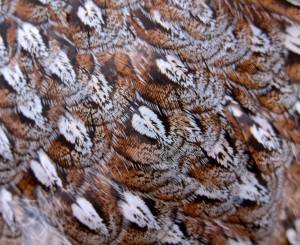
(149, 122)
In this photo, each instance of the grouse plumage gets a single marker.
(149, 122)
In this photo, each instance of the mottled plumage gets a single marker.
(149, 122)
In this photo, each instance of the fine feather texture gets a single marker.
(149, 122)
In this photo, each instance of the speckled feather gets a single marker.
(149, 122)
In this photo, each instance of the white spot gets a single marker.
(3, 53)
(292, 38)
(14, 77)
(100, 90)
(6, 209)
(174, 236)
(135, 210)
(31, 107)
(212, 193)
(175, 70)
(45, 1)
(5, 151)
(251, 190)
(157, 18)
(40, 173)
(45, 171)
(191, 131)
(222, 152)
(239, 242)
(235, 111)
(148, 123)
(297, 107)
(30, 39)
(182, 4)
(293, 235)
(62, 67)
(205, 14)
(28, 102)
(260, 41)
(2, 47)
(264, 133)
(90, 14)
(175, 29)
(84, 211)
(75, 132)
(295, 2)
